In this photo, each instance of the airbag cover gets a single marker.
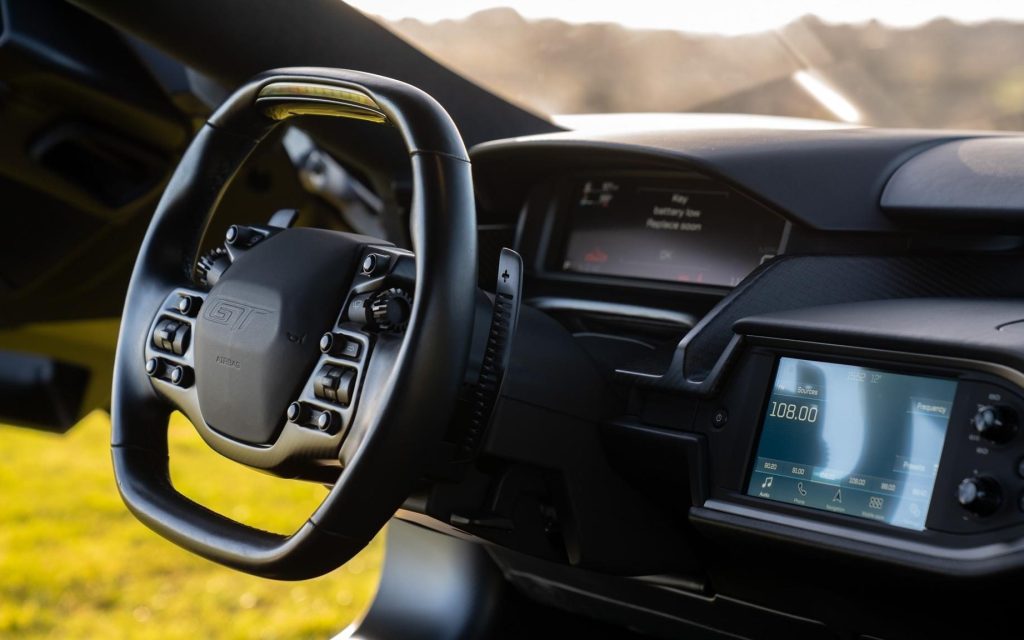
(258, 332)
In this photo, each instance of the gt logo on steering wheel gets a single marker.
(233, 314)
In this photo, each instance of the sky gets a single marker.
(717, 16)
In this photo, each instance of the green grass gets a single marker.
(75, 564)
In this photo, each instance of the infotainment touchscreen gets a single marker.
(691, 231)
(852, 440)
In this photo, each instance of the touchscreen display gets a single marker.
(670, 230)
(851, 440)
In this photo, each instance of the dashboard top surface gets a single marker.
(830, 179)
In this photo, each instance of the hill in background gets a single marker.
(942, 74)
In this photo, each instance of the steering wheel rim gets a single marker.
(413, 397)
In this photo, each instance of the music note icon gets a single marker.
(767, 482)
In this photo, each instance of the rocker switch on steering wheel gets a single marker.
(335, 384)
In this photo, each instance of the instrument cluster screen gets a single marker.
(851, 440)
(693, 231)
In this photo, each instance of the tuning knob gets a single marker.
(390, 310)
(995, 423)
(979, 494)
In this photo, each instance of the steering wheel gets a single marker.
(316, 354)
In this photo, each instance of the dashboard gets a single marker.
(790, 356)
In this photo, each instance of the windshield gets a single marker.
(932, 64)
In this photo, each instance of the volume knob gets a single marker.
(979, 494)
(995, 423)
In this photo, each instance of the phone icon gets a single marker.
(800, 489)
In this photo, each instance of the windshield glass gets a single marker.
(935, 64)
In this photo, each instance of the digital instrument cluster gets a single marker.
(667, 229)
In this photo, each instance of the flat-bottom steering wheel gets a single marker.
(315, 353)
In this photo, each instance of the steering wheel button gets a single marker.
(322, 387)
(163, 335)
(327, 342)
(335, 384)
(188, 305)
(326, 421)
(339, 345)
(326, 383)
(346, 387)
(350, 349)
(358, 309)
(242, 236)
(179, 343)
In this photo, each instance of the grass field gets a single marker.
(75, 564)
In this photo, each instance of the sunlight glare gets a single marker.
(827, 96)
